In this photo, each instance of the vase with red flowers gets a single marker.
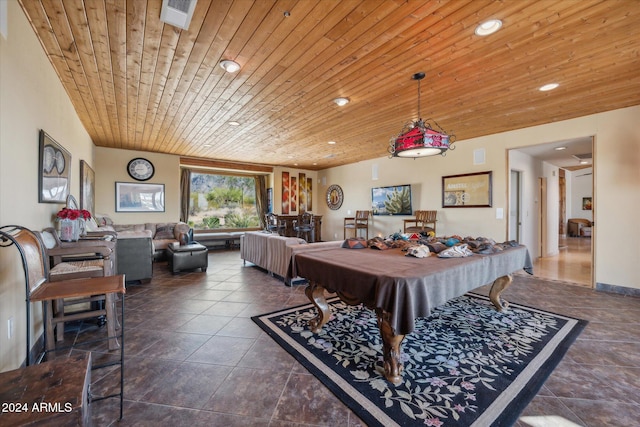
(72, 223)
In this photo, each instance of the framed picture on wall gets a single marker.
(138, 197)
(54, 178)
(586, 203)
(470, 190)
(87, 187)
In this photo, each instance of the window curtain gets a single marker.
(261, 198)
(185, 192)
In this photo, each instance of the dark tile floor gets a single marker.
(194, 357)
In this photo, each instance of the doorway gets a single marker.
(545, 190)
(515, 206)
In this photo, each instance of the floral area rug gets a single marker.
(465, 365)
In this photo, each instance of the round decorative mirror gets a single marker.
(335, 196)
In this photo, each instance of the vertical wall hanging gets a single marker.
(309, 194)
(294, 194)
(302, 192)
(285, 193)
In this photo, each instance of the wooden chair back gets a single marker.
(362, 218)
(33, 254)
(426, 217)
(305, 220)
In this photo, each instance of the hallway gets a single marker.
(572, 264)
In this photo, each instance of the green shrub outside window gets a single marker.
(222, 202)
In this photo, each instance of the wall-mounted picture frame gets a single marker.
(54, 176)
(470, 190)
(392, 200)
(138, 197)
(587, 203)
(87, 187)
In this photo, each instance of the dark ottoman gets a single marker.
(188, 257)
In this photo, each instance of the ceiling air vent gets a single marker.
(177, 12)
(586, 156)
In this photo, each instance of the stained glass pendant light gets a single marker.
(419, 138)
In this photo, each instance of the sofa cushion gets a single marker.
(180, 228)
(133, 234)
(162, 244)
(164, 231)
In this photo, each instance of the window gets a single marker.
(222, 201)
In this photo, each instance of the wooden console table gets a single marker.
(51, 393)
(289, 232)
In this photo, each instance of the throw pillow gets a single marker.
(102, 219)
(164, 231)
(91, 224)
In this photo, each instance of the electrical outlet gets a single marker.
(10, 328)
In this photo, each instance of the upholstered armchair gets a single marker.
(579, 227)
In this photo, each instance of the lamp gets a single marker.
(230, 66)
(341, 101)
(418, 138)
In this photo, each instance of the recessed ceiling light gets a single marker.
(584, 162)
(230, 66)
(331, 142)
(234, 123)
(550, 86)
(341, 101)
(560, 148)
(488, 27)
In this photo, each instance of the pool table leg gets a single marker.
(315, 293)
(391, 348)
(499, 285)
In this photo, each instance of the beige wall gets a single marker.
(616, 187)
(31, 98)
(111, 167)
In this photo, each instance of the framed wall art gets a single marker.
(87, 187)
(285, 193)
(471, 190)
(138, 197)
(586, 203)
(54, 178)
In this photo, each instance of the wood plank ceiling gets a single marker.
(140, 84)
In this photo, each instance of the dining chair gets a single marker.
(358, 222)
(425, 221)
(274, 224)
(304, 227)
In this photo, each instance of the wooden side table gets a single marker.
(50, 393)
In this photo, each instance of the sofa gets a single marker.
(162, 234)
(139, 245)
